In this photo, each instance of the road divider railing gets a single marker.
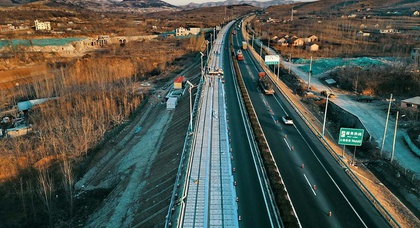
(284, 204)
(280, 85)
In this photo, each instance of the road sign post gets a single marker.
(351, 137)
(272, 59)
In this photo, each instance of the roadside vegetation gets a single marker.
(93, 97)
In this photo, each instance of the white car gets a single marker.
(287, 120)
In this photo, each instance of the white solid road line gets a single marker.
(287, 144)
(310, 186)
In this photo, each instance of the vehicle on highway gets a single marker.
(244, 45)
(265, 83)
(287, 120)
(239, 55)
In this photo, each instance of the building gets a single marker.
(178, 82)
(313, 38)
(195, 31)
(299, 42)
(312, 47)
(362, 34)
(171, 103)
(8, 27)
(39, 25)
(181, 31)
(411, 103)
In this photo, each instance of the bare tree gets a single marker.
(45, 189)
(68, 182)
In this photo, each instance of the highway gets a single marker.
(321, 186)
(254, 206)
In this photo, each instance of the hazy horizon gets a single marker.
(185, 2)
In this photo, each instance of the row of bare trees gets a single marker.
(88, 97)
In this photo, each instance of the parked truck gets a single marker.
(244, 45)
(239, 55)
(265, 83)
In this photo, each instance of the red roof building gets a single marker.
(178, 82)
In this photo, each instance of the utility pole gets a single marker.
(291, 18)
(395, 136)
(309, 75)
(325, 115)
(386, 126)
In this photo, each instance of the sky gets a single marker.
(185, 2)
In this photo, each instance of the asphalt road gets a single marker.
(294, 145)
(251, 206)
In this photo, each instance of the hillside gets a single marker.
(100, 5)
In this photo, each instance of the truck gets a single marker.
(244, 45)
(239, 55)
(265, 84)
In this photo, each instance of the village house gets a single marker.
(5, 28)
(299, 42)
(312, 47)
(282, 42)
(362, 34)
(411, 103)
(313, 38)
(181, 31)
(39, 25)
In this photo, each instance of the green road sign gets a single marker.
(272, 59)
(351, 136)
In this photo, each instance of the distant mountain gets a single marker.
(264, 4)
(15, 2)
(119, 5)
(103, 5)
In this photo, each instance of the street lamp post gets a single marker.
(191, 86)
(325, 115)
(310, 74)
(202, 72)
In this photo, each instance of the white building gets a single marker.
(195, 31)
(39, 25)
(181, 31)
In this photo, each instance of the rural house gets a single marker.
(312, 47)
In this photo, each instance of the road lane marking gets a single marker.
(274, 118)
(287, 143)
(309, 183)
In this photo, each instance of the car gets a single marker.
(287, 120)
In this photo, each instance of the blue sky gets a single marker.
(185, 2)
